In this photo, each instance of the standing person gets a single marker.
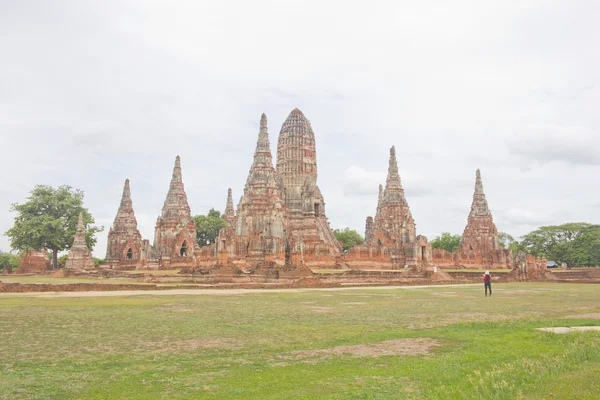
(487, 283)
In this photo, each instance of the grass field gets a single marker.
(368, 343)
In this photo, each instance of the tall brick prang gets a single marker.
(124, 247)
(175, 231)
(309, 233)
(80, 257)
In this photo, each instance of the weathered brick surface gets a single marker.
(175, 232)
(33, 262)
(309, 235)
(480, 246)
(256, 235)
(125, 248)
(391, 239)
(80, 257)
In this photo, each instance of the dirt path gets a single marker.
(174, 292)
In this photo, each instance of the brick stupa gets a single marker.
(480, 237)
(175, 231)
(309, 233)
(260, 221)
(124, 247)
(80, 257)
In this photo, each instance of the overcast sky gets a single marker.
(94, 92)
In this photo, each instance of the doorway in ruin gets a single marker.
(129, 255)
(317, 209)
(423, 253)
(183, 251)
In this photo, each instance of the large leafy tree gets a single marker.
(348, 238)
(48, 220)
(446, 241)
(585, 249)
(208, 227)
(573, 243)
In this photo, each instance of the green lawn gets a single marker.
(57, 281)
(298, 344)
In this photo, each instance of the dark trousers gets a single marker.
(488, 285)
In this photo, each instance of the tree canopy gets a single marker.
(348, 238)
(208, 227)
(508, 242)
(446, 241)
(48, 220)
(576, 243)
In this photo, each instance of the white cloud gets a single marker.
(573, 145)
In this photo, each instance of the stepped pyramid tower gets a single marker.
(480, 237)
(260, 223)
(80, 257)
(390, 237)
(175, 231)
(393, 224)
(309, 232)
(124, 246)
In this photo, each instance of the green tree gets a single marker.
(348, 238)
(10, 260)
(208, 227)
(509, 242)
(447, 242)
(48, 220)
(62, 259)
(557, 242)
(584, 251)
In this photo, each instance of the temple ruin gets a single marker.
(479, 246)
(255, 236)
(280, 222)
(80, 257)
(390, 238)
(125, 247)
(175, 232)
(310, 237)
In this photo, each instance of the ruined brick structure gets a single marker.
(480, 246)
(33, 262)
(175, 231)
(310, 237)
(528, 268)
(125, 247)
(80, 257)
(174, 235)
(256, 234)
(391, 239)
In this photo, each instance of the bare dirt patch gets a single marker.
(354, 303)
(564, 329)
(395, 347)
(586, 316)
(320, 309)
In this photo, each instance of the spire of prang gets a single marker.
(393, 187)
(262, 170)
(79, 240)
(229, 211)
(480, 204)
(176, 204)
(125, 219)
